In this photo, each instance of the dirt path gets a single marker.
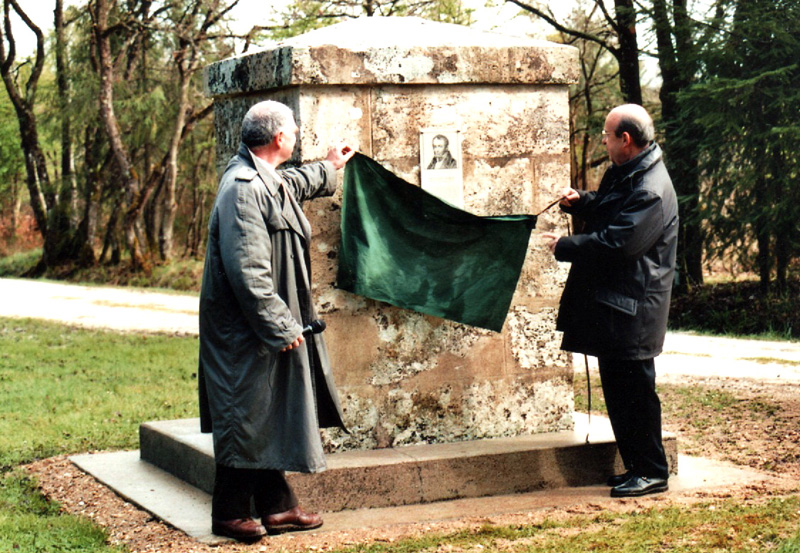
(123, 309)
(127, 309)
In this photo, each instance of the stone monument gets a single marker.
(381, 84)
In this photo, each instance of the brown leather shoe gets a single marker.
(242, 529)
(291, 521)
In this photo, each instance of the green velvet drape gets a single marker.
(403, 246)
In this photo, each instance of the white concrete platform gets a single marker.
(379, 487)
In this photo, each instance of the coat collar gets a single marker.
(271, 180)
(644, 161)
(290, 209)
(616, 175)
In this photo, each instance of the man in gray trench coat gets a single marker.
(265, 388)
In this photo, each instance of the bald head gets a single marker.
(634, 120)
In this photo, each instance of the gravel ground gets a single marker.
(762, 431)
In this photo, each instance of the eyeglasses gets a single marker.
(605, 133)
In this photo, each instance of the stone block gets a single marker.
(414, 474)
(407, 378)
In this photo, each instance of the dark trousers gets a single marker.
(629, 387)
(237, 491)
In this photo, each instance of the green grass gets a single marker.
(724, 526)
(31, 524)
(182, 275)
(66, 390)
(17, 264)
(790, 546)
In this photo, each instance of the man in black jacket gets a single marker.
(616, 300)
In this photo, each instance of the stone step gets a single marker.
(415, 474)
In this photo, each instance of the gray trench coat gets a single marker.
(264, 407)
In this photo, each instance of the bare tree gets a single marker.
(590, 99)
(193, 25)
(110, 64)
(24, 99)
(619, 39)
(55, 207)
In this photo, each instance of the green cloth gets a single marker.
(406, 247)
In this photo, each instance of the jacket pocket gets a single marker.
(617, 301)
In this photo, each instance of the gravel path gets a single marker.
(124, 309)
(128, 309)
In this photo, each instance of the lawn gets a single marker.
(66, 390)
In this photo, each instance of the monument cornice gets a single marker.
(440, 53)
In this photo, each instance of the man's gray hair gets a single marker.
(634, 120)
(263, 121)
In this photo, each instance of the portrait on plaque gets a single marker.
(440, 164)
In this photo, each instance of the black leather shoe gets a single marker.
(242, 529)
(618, 479)
(636, 486)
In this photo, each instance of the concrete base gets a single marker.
(414, 474)
(189, 509)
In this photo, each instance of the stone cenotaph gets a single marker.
(407, 378)
(444, 408)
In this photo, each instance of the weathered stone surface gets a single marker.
(407, 378)
(403, 475)
(380, 50)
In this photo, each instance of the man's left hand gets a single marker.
(551, 240)
(339, 155)
(294, 345)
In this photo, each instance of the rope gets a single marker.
(585, 357)
(589, 395)
(551, 204)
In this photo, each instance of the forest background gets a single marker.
(107, 167)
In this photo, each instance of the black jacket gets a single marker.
(616, 300)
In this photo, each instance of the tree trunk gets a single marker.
(69, 188)
(763, 259)
(680, 146)
(36, 174)
(15, 209)
(166, 240)
(628, 57)
(37, 177)
(195, 32)
(783, 256)
(64, 243)
(626, 51)
(133, 197)
(87, 229)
